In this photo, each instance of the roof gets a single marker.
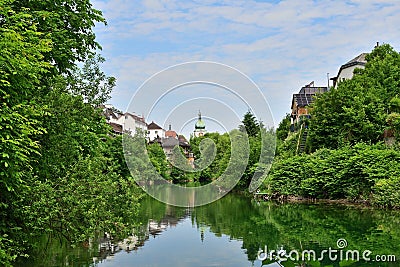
(303, 100)
(169, 142)
(306, 95)
(153, 126)
(182, 141)
(358, 60)
(117, 128)
(313, 90)
(171, 133)
(135, 117)
(200, 124)
(109, 113)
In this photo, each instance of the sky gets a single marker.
(278, 46)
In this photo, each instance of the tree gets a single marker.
(283, 128)
(250, 124)
(158, 159)
(357, 110)
(393, 119)
(56, 173)
(68, 24)
(91, 83)
(22, 49)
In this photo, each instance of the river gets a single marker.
(237, 231)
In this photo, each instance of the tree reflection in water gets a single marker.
(292, 226)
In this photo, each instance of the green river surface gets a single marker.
(236, 231)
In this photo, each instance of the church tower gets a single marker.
(199, 127)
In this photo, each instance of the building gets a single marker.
(346, 71)
(171, 133)
(132, 123)
(168, 144)
(116, 128)
(199, 127)
(154, 131)
(301, 102)
(112, 114)
(170, 141)
(184, 144)
(123, 122)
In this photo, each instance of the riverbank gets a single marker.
(361, 173)
(303, 200)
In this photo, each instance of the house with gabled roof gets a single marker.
(132, 123)
(346, 71)
(171, 133)
(155, 132)
(301, 101)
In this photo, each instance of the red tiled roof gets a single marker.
(170, 133)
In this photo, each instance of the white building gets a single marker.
(154, 131)
(124, 122)
(346, 71)
(132, 123)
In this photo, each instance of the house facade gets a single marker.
(346, 71)
(154, 131)
(301, 102)
(124, 122)
(132, 123)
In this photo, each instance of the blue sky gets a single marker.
(280, 45)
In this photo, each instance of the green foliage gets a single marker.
(345, 132)
(357, 110)
(180, 165)
(250, 125)
(283, 129)
(286, 175)
(22, 49)
(158, 159)
(212, 152)
(68, 24)
(259, 144)
(91, 83)
(387, 192)
(289, 146)
(349, 172)
(61, 172)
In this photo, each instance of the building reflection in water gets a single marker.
(107, 248)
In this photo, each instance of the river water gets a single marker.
(237, 231)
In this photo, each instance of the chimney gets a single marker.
(377, 44)
(169, 128)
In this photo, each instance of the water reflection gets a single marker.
(232, 231)
(167, 218)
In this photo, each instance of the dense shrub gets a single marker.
(359, 172)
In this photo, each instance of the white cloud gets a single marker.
(281, 46)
